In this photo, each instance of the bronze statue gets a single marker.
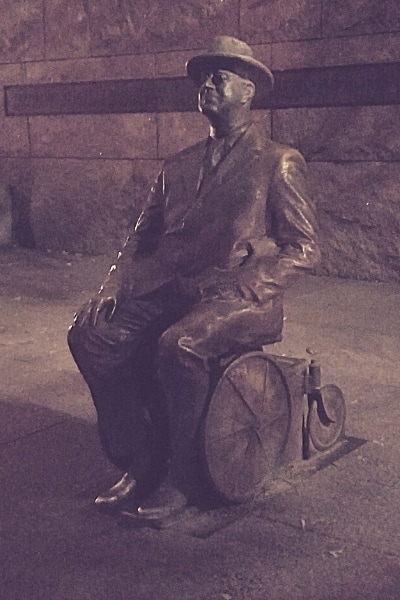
(201, 277)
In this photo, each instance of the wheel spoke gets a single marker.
(226, 436)
(282, 415)
(243, 399)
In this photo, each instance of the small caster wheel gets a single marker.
(326, 417)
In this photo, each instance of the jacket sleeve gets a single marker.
(292, 226)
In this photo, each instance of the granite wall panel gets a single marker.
(11, 73)
(91, 69)
(126, 26)
(275, 20)
(14, 138)
(172, 64)
(360, 133)
(359, 216)
(87, 206)
(66, 28)
(384, 47)
(21, 30)
(16, 178)
(95, 136)
(263, 53)
(179, 130)
(352, 17)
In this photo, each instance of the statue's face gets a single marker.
(220, 91)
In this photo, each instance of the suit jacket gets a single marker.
(246, 231)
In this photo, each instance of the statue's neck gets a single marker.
(221, 127)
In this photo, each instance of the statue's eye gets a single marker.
(219, 78)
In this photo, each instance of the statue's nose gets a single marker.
(209, 82)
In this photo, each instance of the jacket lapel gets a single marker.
(239, 154)
(185, 174)
(187, 198)
(193, 168)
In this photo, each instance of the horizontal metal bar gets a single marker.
(350, 85)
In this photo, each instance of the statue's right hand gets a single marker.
(100, 305)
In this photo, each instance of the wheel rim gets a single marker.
(246, 426)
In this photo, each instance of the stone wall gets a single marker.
(76, 181)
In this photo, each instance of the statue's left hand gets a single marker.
(103, 305)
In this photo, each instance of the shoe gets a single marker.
(124, 492)
(167, 501)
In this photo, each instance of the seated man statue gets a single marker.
(201, 278)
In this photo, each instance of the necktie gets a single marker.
(213, 155)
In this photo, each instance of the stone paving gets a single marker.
(332, 535)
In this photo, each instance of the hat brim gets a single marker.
(242, 65)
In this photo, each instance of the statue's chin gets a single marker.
(208, 109)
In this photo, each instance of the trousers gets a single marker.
(150, 370)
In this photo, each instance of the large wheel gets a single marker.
(246, 426)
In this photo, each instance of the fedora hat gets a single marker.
(234, 55)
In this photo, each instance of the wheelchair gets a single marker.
(266, 412)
